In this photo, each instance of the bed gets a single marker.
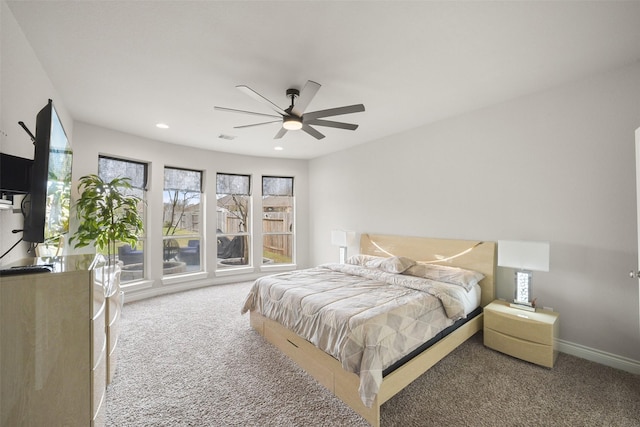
(375, 382)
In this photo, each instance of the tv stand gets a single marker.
(53, 356)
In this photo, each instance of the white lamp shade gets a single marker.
(523, 255)
(338, 237)
(343, 238)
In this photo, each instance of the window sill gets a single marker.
(234, 271)
(136, 286)
(181, 278)
(278, 267)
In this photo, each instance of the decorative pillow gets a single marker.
(396, 264)
(358, 259)
(443, 273)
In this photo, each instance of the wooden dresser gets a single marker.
(114, 301)
(523, 334)
(53, 357)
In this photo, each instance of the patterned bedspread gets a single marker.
(364, 317)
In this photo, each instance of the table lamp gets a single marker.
(525, 257)
(341, 238)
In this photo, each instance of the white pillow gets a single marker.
(396, 264)
(442, 273)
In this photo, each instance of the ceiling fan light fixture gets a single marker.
(292, 123)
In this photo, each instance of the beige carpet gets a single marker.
(191, 359)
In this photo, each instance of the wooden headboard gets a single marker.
(470, 254)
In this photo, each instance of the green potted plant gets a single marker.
(107, 214)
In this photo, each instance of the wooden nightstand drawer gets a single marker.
(532, 352)
(525, 328)
(537, 327)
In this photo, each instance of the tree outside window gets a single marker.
(182, 228)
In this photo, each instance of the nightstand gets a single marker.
(523, 334)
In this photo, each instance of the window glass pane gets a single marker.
(233, 214)
(232, 251)
(277, 249)
(233, 184)
(277, 186)
(233, 220)
(181, 212)
(277, 220)
(182, 225)
(133, 261)
(110, 168)
(182, 179)
(132, 258)
(277, 214)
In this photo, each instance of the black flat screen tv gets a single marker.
(47, 205)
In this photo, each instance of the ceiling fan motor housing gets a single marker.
(292, 122)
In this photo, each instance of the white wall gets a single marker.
(91, 141)
(24, 90)
(556, 166)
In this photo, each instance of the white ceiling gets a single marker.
(128, 65)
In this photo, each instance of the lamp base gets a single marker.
(343, 254)
(522, 306)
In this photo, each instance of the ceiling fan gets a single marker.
(294, 117)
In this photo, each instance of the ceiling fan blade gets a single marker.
(331, 124)
(306, 95)
(335, 111)
(311, 131)
(233, 110)
(257, 124)
(255, 95)
(280, 133)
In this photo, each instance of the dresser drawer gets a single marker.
(527, 326)
(540, 354)
(98, 392)
(114, 305)
(99, 338)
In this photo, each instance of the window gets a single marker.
(277, 220)
(182, 227)
(233, 193)
(132, 258)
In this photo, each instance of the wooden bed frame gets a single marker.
(474, 255)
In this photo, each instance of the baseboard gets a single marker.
(150, 292)
(146, 289)
(598, 356)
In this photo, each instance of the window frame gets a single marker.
(182, 256)
(291, 233)
(142, 239)
(248, 234)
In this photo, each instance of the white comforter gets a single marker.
(366, 318)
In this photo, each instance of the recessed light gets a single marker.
(278, 148)
(162, 125)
